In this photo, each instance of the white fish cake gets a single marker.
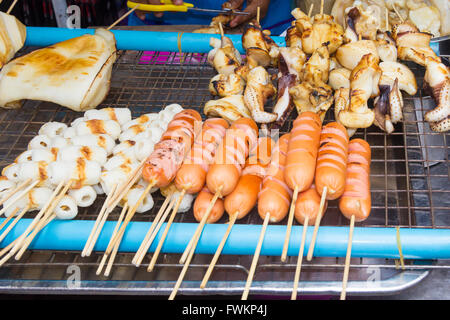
(145, 118)
(40, 141)
(11, 172)
(133, 196)
(84, 197)
(52, 129)
(102, 140)
(66, 209)
(109, 127)
(34, 170)
(121, 115)
(92, 153)
(143, 149)
(6, 186)
(39, 197)
(83, 172)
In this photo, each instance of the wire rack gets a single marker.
(409, 183)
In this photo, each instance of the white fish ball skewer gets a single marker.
(121, 115)
(109, 127)
(92, 153)
(135, 194)
(102, 140)
(40, 141)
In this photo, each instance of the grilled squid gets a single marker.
(224, 57)
(230, 108)
(259, 88)
(226, 85)
(388, 107)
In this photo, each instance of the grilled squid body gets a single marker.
(226, 85)
(224, 57)
(229, 108)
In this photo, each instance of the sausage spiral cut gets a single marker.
(301, 162)
(355, 203)
(331, 170)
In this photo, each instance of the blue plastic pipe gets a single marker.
(136, 40)
(145, 40)
(331, 241)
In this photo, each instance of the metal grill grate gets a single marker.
(409, 179)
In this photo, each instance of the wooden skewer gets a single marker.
(116, 247)
(258, 14)
(17, 243)
(15, 190)
(129, 216)
(387, 19)
(11, 7)
(19, 196)
(164, 235)
(123, 17)
(398, 13)
(289, 225)
(218, 251)
(310, 10)
(255, 258)
(221, 30)
(317, 224)
(144, 244)
(201, 225)
(124, 187)
(347, 258)
(156, 231)
(47, 218)
(321, 7)
(9, 218)
(16, 219)
(98, 225)
(300, 260)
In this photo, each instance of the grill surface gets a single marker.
(409, 179)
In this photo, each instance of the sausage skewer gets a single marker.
(331, 170)
(244, 197)
(355, 203)
(162, 165)
(273, 200)
(223, 174)
(301, 162)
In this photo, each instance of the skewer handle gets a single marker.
(289, 225)
(347, 258)
(300, 260)
(317, 224)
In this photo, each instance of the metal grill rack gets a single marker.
(409, 179)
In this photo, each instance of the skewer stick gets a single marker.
(11, 7)
(14, 191)
(9, 218)
(317, 224)
(19, 196)
(18, 242)
(201, 225)
(398, 13)
(347, 258)
(310, 10)
(123, 189)
(128, 218)
(300, 259)
(321, 7)
(258, 14)
(156, 231)
(123, 17)
(218, 251)
(16, 219)
(387, 19)
(164, 235)
(289, 224)
(255, 258)
(98, 225)
(116, 228)
(143, 247)
(46, 219)
(221, 30)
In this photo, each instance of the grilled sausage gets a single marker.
(201, 205)
(331, 167)
(302, 151)
(224, 173)
(275, 195)
(162, 165)
(243, 198)
(307, 205)
(356, 199)
(192, 174)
